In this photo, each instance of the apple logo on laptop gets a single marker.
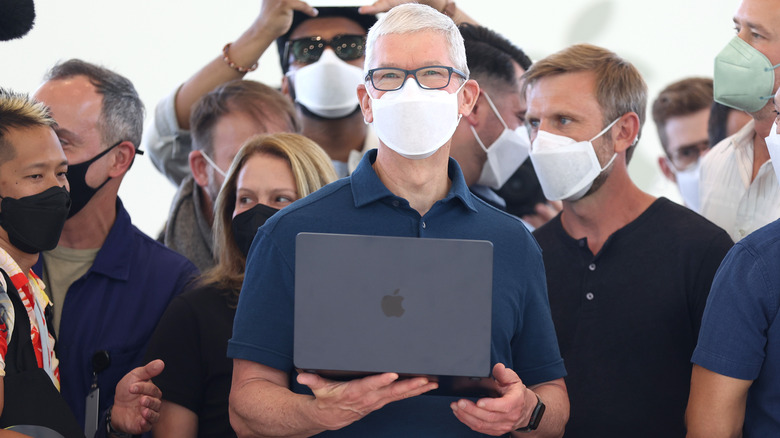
(391, 304)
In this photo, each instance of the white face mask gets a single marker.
(415, 122)
(504, 155)
(328, 87)
(688, 183)
(566, 168)
(773, 144)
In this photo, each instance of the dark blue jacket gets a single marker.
(115, 307)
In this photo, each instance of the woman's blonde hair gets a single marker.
(311, 169)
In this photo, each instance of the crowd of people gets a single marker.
(616, 313)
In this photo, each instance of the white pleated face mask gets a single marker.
(414, 122)
(328, 87)
(773, 144)
(688, 183)
(565, 167)
(505, 154)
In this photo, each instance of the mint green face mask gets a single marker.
(744, 78)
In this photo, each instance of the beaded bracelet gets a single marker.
(232, 64)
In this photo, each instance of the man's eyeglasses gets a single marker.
(434, 77)
(309, 49)
(688, 155)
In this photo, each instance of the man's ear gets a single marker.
(626, 132)
(666, 170)
(476, 112)
(123, 158)
(468, 97)
(365, 103)
(199, 168)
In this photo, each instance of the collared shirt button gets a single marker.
(582, 243)
(592, 267)
(589, 296)
(396, 203)
(742, 233)
(423, 224)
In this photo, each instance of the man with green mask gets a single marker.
(739, 192)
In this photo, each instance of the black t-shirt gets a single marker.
(192, 340)
(627, 319)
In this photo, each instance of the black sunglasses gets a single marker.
(309, 49)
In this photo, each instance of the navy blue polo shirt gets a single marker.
(523, 337)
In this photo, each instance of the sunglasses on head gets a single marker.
(309, 49)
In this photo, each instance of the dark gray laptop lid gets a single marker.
(371, 304)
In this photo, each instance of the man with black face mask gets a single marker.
(110, 283)
(33, 211)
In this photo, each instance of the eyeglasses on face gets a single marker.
(309, 49)
(432, 77)
(688, 155)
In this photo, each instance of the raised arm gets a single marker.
(447, 7)
(167, 140)
(716, 405)
(273, 21)
(262, 405)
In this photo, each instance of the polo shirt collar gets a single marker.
(368, 188)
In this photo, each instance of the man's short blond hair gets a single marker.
(620, 88)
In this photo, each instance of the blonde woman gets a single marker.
(268, 173)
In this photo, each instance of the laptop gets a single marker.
(414, 306)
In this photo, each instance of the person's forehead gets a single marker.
(761, 14)
(327, 27)
(574, 89)
(411, 50)
(34, 144)
(236, 127)
(687, 129)
(74, 103)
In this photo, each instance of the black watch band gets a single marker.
(536, 416)
(111, 432)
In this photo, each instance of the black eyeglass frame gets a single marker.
(370, 76)
(321, 43)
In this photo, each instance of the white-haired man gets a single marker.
(412, 52)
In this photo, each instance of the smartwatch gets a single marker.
(536, 416)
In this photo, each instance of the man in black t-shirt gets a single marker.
(628, 274)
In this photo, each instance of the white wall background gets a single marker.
(160, 43)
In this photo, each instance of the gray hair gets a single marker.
(122, 115)
(410, 18)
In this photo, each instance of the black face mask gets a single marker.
(80, 192)
(245, 225)
(34, 223)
